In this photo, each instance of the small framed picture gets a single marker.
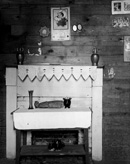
(126, 6)
(120, 7)
(60, 24)
(117, 7)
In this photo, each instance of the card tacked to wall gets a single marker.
(60, 24)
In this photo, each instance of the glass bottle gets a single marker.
(30, 99)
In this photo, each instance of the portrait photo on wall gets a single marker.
(120, 7)
(117, 7)
(60, 24)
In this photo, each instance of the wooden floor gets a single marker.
(7, 161)
(10, 161)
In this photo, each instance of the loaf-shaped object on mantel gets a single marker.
(49, 104)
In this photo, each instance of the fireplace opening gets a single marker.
(68, 137)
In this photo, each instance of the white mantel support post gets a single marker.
(11, 103)
(97, 116)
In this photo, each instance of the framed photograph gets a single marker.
(117, 7)
(60, 24)
(127, 48)
(126, 7)
(120, 7)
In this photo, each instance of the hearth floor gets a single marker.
(11, 161)
(7, 161)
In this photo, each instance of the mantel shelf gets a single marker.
(40, 118)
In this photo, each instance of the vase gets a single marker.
(95, 57)
(67, 102)
(30, 99)
(20, 56)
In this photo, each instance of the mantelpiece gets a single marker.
(82, 83)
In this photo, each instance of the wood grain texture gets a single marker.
(45, 9)
(45, 2)
(35, 19)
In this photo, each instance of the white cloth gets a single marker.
(25, 119)
(57, 71)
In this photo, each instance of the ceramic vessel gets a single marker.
(95, 57)
(67, 102)
(20, 56)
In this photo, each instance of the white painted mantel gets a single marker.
(49, 82)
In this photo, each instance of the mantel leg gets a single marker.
(86, 146)
(18, 145)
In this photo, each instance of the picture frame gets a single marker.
(60, 24)
(117, 7)
(120, 7)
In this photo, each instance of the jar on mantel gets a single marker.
(95, 57)
(20, 55)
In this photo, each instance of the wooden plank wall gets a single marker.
(20, 22)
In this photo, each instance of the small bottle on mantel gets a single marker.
(30, 99)
(95, 57)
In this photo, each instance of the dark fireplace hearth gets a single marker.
(45, 137)
(66, 136)
(52, 160)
